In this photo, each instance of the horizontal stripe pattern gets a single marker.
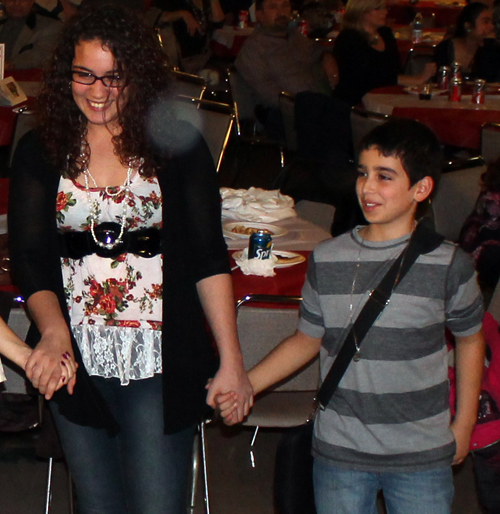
(391, 408)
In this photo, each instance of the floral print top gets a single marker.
(115, 304)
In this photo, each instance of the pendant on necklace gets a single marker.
(357, 356)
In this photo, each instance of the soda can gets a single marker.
(456, 70)
(260, 245)
(444, 78)
(304, 27)
(243, 19)
(478, 91)
(455, 90)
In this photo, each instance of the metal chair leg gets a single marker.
(48, 489)
(194, 473)
(204, 463)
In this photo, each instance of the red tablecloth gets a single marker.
(457, 127)
(403, 12)
(288, 281)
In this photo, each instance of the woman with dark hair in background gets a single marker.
(118, 250)
(466, 46)
(366, 53)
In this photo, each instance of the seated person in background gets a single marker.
(193, 22)
(367, 55)
(319, 19)
(467, 45)
(28, 34)
(278, 58)
(480, 234)
(62, 9)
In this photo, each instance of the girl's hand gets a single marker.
(49, 362)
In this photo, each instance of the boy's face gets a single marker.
(385, 195)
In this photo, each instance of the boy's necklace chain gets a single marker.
(357, 355)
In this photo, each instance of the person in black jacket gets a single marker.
(366, 53)
(117, 247)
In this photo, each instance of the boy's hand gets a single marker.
(227, 405)
(462, 438)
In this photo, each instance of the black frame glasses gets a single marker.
(86, 78)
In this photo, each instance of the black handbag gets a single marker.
(293, 491)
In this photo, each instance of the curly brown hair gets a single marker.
(138, 57)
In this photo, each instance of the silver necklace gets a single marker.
(357, 355)
(94, 207)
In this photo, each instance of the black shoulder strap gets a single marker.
(423, 241)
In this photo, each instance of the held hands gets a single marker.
(52, 366)
(231, 390)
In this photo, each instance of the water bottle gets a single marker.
(418, 26)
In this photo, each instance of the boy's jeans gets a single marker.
(341, 491)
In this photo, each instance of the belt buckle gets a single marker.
(107, 234)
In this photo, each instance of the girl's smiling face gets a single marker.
(98, 102)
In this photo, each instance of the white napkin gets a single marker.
(255, 204)
(261, 267)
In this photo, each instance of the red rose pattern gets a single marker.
(126, 285)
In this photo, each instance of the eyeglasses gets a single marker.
(87, 78)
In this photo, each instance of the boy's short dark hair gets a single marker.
(412, 142)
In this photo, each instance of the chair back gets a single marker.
(417, 58)
(320, 214)
(186, 84)
(363, 122)
(244, 101)
(25, 121)
(287, 108)
(290, 402)
(261, 329)
(456, 196)
(214, 120)
(490, 142)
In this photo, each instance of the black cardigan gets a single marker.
(361, 67)
(193, 249)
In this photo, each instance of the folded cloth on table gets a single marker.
(256, 204)
(261, 267)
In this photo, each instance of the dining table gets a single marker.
(455, 123)
(301, 236)
(444, 13)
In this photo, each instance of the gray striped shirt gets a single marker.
(390, 412)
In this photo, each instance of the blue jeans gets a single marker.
(343, 491)
(140, 470)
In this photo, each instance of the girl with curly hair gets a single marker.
(118, 250)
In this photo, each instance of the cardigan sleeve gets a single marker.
(197, 199)
(32, 209)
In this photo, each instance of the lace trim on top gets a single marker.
(119, 352)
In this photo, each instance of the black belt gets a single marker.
(76, 245)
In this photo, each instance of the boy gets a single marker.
(388, 424)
